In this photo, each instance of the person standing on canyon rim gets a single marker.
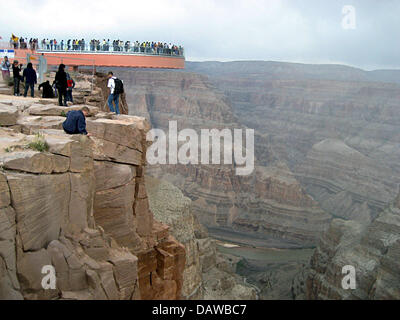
(70, 87)
(61, 85)
(30, 78)
(5, 69)
(17, 77)
(116, 88)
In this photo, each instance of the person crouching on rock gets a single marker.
(62, 85)
(76, 121)
(47, 90)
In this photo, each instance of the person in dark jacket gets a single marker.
(30, 78)
(76, 121)
(17, 77)
(47, 90)
(62, 85)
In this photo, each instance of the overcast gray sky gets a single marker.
(307, 31)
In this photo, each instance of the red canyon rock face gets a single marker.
(121, 206)
(160, 271)
(270, 203)
(207, 274)
(81, 207)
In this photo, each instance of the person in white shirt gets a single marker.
(113, 97)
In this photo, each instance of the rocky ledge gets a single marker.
(79, 204)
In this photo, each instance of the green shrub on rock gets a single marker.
(39, 143)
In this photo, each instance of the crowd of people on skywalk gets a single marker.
(24, 43)
(146, 47)
(136, 46)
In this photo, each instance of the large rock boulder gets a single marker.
(8, 115)
(53, 110)
(33, 124)
(41, 205)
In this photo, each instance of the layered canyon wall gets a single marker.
(373, 250)
(327, 145)
(270, 203)
(336, 127)
(79, 205)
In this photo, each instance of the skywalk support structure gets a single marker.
(114, 59)
(103, 58)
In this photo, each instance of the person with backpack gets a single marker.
(30, 78)
(116, 88)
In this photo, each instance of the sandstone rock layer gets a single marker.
(80, 207)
